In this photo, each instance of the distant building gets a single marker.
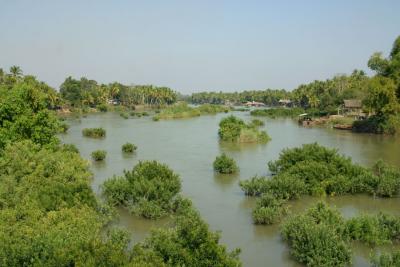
(285, 102)
(254, 104)
(352, 107)
(113, 101)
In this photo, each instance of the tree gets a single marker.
(381, 96)
(15, 71)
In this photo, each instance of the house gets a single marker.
(285, 102)
(113, 101)
(254, 104)
(352, 107)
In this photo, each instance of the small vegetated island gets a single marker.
(99, 155)
(233, 129)
(94, 132)
(225, 165)
(128, 148)
(182, 110)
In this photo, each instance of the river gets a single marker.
(189, 147)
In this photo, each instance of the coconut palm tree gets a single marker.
(15, 71)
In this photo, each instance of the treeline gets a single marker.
(49, 215)
(269, 97)
(380, 94)
(84, 92)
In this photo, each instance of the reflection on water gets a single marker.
(190, 147)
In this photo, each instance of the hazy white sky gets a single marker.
(195, 45)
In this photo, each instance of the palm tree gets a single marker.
(15, 71)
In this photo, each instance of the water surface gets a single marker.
(189, 147)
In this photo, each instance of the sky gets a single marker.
(194, 46)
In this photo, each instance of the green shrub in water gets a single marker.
(225, 164)
(148, 190)
(128, 148)
(124, 115)
(94, 132)
(99, 155)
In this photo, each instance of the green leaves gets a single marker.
(233, 129)
(225, 164)
(148, 190)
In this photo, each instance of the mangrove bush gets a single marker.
(148, 190)
(224, 164)
(94, 132)
(98, 155)
(128, 148)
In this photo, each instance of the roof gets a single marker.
(285, 101)
(352, 103)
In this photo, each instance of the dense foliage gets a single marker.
(25, 113)
(189, 243)
(225, 164)
(94, 132)
(269, 97)
(128, 148)
(315, 170)
(387, 260)
(233, 129)
(99, 155)
(84, 92)
(269, 209)
(315, 237)
(49, 215)
(322, 237)
(277, 112)
(148, 190)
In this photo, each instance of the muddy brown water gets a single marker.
(189, 147)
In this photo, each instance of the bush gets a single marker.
(149, 190)
(124, 115)
(225, 164)
(277, 112)
(128, 148)
(189, 243)
(269, 209)
(69, 148)
(99, 155)
(388, 179)
(315, 237)
(102, 107)
(387, 260)
(257, 123)
(64, 127)
(94, 132)
(384, 124)
(373, 229)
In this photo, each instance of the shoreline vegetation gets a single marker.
(49, 214)
(378, 95)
